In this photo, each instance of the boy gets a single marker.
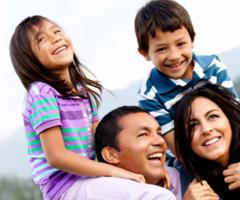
(165, 36)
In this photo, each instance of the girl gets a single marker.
(60, 116)
(207, 131)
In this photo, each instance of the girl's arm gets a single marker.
(61, 158)
(94, 126)
(232, 176)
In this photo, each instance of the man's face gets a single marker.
(142, 149)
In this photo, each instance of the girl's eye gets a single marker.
(57, 31)
(40, 39)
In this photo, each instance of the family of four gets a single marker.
(182, 142)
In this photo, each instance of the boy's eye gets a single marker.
(180, 44)
(162, 49)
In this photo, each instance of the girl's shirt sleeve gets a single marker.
(43, 108)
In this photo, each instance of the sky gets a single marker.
(103, 36)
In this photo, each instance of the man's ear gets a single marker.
(144, 54)
(110, 155)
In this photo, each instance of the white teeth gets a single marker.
(60, 49)
(155, 155)
(209, 142)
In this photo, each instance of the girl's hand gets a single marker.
(122, 173)
(199, 191)
(232, 176)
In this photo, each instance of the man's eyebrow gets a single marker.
(147, 128)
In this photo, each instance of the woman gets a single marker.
(207, 138)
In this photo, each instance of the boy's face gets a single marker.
(142, 149)
(171, 53)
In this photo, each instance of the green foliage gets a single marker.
(18, 189)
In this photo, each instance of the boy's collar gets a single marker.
(167, 84)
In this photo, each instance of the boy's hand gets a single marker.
(232, 176)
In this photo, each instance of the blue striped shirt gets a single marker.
(159, 93)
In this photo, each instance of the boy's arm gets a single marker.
(223, 77)
(169, 138)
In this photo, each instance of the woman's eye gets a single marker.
(213, 116)
(192, 125)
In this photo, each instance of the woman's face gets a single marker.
(211, 131)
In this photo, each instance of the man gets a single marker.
(130, 138)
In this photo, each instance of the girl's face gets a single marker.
(51, 46)
(211, 131)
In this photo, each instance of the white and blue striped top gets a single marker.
(159, 93)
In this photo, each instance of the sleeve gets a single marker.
(223, 77)
(45, 112)
(175, 187)
(95, 117)
(148, 101)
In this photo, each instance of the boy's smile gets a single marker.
(171, 53)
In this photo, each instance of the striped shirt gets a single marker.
(159, 94)
(46, 108)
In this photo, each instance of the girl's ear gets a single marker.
(110, 155)
(144, 54)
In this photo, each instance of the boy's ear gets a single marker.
(110, 155)
(144, 54)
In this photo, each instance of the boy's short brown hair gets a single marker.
(166, 15)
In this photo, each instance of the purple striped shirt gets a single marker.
(46, 108)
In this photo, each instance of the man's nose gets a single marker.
(157, 140)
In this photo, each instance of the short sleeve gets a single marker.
(44, 109)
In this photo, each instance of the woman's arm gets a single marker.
(61, 158)
(232, 176)
(199, 191)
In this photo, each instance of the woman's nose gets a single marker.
(206, 128)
